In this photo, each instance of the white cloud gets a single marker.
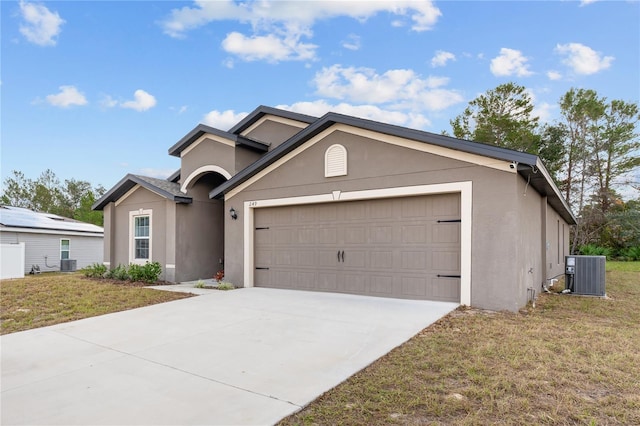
(371, 112)
(108, 102)
(352, 42)
(156, 173)
(441, 58)
(510, 62)
(402, 87)
(587, 2)
(544, 110)
(554, 75)
(268, 48)
(142, 101)
(223, 120)
(278, 26)
(40, 26)
(583, 59)
(67, 97)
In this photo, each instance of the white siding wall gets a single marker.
(86, 250)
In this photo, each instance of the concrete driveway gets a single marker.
(248, 356)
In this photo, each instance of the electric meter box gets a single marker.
(585, 275)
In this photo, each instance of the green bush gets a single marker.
(149, 272)
(119, 273)
(96, 270)
(630, 253)
(594, 250)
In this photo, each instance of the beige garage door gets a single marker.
(398, 247)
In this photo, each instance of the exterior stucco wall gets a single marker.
(273, 132)
(372, 165)
(144, 199)
(557, 240)
(199, 236)
(86, 250)
(245, 156)
(109, 232)
(205, 153)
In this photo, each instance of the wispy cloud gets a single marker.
(40, 26)
(142, 101)
(223, 120)
(441, 58)
(510, 62)
(583, 59)
(280, 31)
(352, 42)
(68, 96)
(156, 173)
(402, 88)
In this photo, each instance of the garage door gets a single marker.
(398, 247)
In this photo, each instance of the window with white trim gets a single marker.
(65, 246)
(140, 236)
(335, 161)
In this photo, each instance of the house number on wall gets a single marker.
(253, 203)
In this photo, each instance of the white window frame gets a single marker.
(132, 245)
(68, 248)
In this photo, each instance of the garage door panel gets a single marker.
(445, 233)
(352, 283)
(381, 259)
(415, 260)
(381, 285)
(414, 234)
(392, 247)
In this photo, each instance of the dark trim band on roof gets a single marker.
(544, 186)
(203, 129)
(263, 110)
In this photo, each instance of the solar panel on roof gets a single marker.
(18, 217)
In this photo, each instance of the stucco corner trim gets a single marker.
(465, 188)
(200, 171)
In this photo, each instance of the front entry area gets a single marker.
(406, 247)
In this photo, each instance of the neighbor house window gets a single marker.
(64, 249)
(140, 232)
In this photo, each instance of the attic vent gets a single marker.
(335, 161)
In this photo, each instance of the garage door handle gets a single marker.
(449, 276)
(338, 256)
(342, 256)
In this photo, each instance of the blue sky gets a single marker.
(95, 90)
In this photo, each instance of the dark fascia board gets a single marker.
(263, 110)
(194, 134)
(128, 182)
(174, 177)
(544, 185)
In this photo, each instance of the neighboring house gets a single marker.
(51, 241)
(343, 204)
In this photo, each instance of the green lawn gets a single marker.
(569, 360)
(52, 298)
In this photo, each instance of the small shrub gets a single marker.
(219, 275)
(149, 272)
(96, 270)
(223, 285)
(199, 284)
(119, 273)
(630, 253)
(594, 250)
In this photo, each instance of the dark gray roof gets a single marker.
(162, 187)
(18, 217)
(202, 129)
(263, 110)
(526, 162)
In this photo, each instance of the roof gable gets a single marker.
(164, 188)
(262, 110)
(202, 129)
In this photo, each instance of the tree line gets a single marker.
(591, 152)
(71, 198)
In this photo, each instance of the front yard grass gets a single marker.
(569, 360)
(53, 298)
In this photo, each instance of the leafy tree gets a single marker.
(72, 199)
(502, 117)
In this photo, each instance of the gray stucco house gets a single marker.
(50, 239)
(343, 204)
